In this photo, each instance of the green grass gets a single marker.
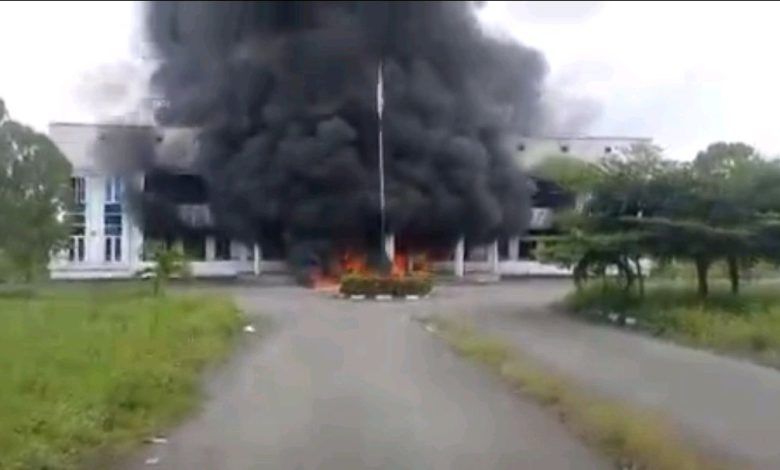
(90, 369)
(632, 438)
(747, 324)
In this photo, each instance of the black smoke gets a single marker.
(283, 95)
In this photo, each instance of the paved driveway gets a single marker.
(350, 385)
(728, 407)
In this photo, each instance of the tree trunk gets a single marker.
(702, 266)
(640, 277)
(624, 265)
(733, 274)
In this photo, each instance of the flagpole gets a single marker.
(380, 111)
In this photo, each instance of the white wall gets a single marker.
(591, 149)
(76, 141)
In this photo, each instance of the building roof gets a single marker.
(588, 138)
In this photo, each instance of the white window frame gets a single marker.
(79, 189)
(77, 252)
(114, 189)
(112, 249)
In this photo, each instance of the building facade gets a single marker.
(107, 240)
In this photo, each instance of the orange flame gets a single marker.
(352, 261)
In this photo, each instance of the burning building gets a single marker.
(304, 132)
(109, 234)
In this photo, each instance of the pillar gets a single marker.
(390, 246)
(493, 257)
(258, 255)
(514, 248)
(211, 248)
(460, 258)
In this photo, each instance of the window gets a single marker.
(76, 252)
(114, 189)
(113, 249)
(112, 221)
(503, 249)
(78, 185)
(564, 148)
(222, 248)
(77, 221)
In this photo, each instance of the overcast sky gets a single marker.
(684, 74)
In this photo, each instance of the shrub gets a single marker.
(746, 325)
(372, 285)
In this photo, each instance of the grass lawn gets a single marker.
(747, 324)
(87, 369)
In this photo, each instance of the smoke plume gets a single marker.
(282, 96)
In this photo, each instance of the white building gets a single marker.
(107, 241)
(531, 150)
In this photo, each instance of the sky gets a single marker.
(684, 73)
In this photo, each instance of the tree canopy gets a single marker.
(34, 193)
(720, 206)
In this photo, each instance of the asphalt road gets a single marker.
(729, 408)
(352, 385)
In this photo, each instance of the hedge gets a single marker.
(371, 285)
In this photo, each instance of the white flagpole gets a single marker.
(380, 109)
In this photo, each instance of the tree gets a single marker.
(34, 197)
(571, 173)
(725, 176)
(168, 263)
(644, 206)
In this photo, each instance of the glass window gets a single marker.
(76, 249)
(113, 249)
(113, 208)
(503, 249)
(78, 185)
(114, 189)
(114, 220)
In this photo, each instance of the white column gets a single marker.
(493, 257)
(211, 248)
(256, 267)
(390, 246)
(514, 248)
(460, 255)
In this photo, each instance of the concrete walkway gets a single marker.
(728, 407)
(355, 385)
